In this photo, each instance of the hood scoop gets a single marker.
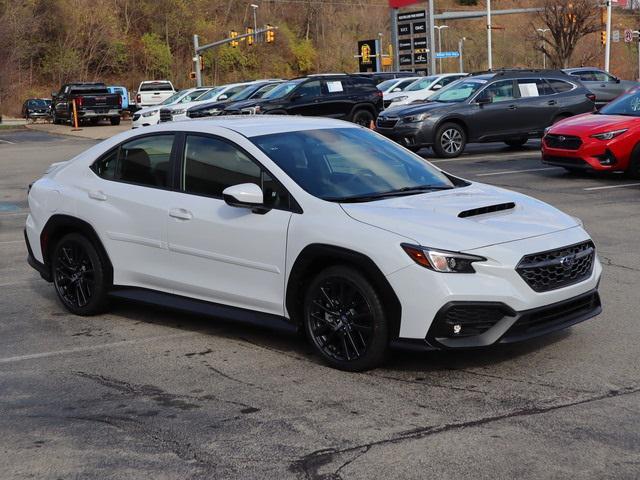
(489, 209)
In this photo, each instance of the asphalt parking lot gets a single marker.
(145, 393)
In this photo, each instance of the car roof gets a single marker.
(255, 125)
(577, 69)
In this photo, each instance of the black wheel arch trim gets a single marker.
(363, 106)
(61, 224)
(318, 256)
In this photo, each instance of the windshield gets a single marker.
(244, 93)
(458, 91)
(261, 92)
(210, 94)
(283, 89)
(421, 84)
(38, 103)
(625, 105)
(387, 84)
(173, 98)
(350, 164)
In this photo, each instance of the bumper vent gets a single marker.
(565, 142)
(165, 115)
(558, 268)
(490, 209)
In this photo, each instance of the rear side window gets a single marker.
(144, 161)
(534, 87)
(560, 86)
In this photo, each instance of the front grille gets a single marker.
(557, 268)
(165, 115)
(546, 318)
(565, 142)
(467, 320)
(386, 122)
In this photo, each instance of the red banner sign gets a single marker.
(401, 3)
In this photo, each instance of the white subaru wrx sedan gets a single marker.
(308, 223)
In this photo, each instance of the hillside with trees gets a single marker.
(47, 42)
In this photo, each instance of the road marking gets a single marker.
(497, 156)
(32, 356)
(612, 186)
(7, 141)
(13, 214)
(506, 172)
(11, 241)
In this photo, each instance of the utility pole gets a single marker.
(255, 22)
(460, 45)
(432, 36)
(394, 38)
(607, 46)
(544, 55)
(196, 60)
(489, 56)
(440, 27)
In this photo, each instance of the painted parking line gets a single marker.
(89, 348)
(508, 172)
(613, 186)
(13, 214)
(8, 242)
(7, 141)
(484, 157)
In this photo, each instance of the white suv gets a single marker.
(151, 115)
(421, 89)
(308, 223)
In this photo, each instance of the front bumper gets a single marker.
(500, 296)
(593, 154)
(418, 134)
(145, 121)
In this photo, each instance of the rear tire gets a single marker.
(450, 141)
(362, 117)
(516, 142)
(79, 275)
(345, 321)
(115, 120)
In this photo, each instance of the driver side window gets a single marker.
(498, 92)
(309, 89)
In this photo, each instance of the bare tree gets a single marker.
(568, 21)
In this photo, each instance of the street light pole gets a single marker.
(607, 46)
(544, 55)
(255, 22)
(439, 28)
(196, 60)
(460, 45)
(489, 55)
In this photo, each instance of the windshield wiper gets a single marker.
(390, 193)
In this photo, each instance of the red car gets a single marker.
(608, 139)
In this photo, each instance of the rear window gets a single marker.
(88, 91)
(560, 86)
(156, 86)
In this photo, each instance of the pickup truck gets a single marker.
(153, 92)
(93, 103)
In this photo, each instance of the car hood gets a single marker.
(432, 219)
(415, 108)
(240, 104)
(591, 123)
(206, 105)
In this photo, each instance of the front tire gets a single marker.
(633, 170)
(516, 142)
(450, 141)
(362, 117)
(115, 120)
(345, 321)
(79, 275)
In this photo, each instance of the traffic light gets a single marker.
(192, 75)
(233, 34)
(603, 37)
(250, 38)
(270, 35)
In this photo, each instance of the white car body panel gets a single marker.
(146, 117)
(148, 98)
(407, 96)
(215, 252)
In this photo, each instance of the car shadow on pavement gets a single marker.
(295, 345)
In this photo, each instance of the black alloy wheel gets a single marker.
(78, 275)
(345, 320)
(363, 117)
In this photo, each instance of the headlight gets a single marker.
(148, 114)
(546, 130)
(399, 99)
(442, 260)
(252, 110)
(180, 111)
(415, 118)
(609, 135)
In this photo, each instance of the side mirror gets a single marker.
(484, 101)
(436, 87)
(397, 89)
(295, 97)
(223, 97)
(616, 79)
(245, 195)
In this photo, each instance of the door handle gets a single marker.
(97, 195)
(552, 102)
(512, 107)
(180, 213)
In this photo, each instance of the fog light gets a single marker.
(607, 158)
(457, 329)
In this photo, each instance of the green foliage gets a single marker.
(60, 63)
(305, 55)
(157, 55)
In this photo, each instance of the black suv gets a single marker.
(510, 106)
(254, 90)
(343, 96)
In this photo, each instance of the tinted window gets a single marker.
(155, 87)
(144, 161)
(339, 163)
(560, 86)
(534, 87)
(311, 89)
(628, 105)
(421, 84)
(499, 91)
